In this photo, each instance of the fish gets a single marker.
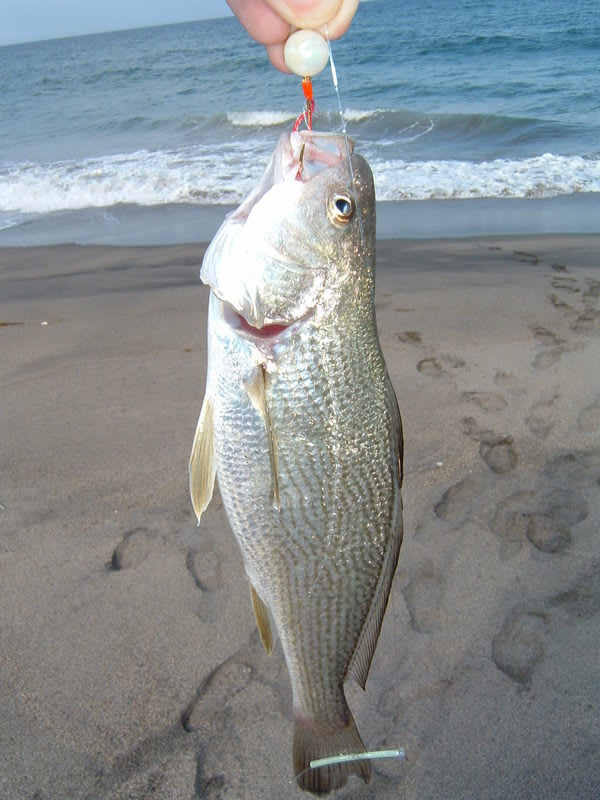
(300, 425)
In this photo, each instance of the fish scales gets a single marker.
(306, 440)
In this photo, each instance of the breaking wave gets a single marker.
(224, 174)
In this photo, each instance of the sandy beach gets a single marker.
(130, 666)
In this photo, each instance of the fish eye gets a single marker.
(341, 208)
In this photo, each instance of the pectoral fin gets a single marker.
(257, 392)
(263, 621)
(203, 465)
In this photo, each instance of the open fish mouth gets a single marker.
(272, 331)
(312, 152)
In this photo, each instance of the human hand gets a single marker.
(269, 21)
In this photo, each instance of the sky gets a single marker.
(31, 20)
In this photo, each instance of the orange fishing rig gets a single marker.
(307, 116)
(309, 107)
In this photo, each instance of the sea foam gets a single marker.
(214, 175)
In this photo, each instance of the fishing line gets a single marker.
(308, 95)
(306, 117)
(370, 755)
(345, 132)
(344, 758)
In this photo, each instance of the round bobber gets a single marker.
(306, 52)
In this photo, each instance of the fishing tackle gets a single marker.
(309, 107)
(306, 53)
(307, 116)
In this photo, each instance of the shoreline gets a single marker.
(409, 219)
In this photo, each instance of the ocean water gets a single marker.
(445, 98)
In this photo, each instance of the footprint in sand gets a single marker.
(574, 467)
(432, 366)
(527, 258)
(547, 358)
(509, 383)
(591, 295)
(133, 549)
(520, 644)
(205, 568)
(222, 767)
(547, 534)
(582, 600)
(512, 518)
(391, 705)
(545, 514)
(588, 320)
(547, 337)
(489, 401)
(218, 689)
(564, 283)
(543, 518)
(247, 692)
(410, 337)
(495, 449)
(458, 500)
(588, 419)
(541, 418)
(565, 506)
(455, 362)
(424, 595)
(553, 344)
(560, 305)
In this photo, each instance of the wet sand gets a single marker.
(130, 665)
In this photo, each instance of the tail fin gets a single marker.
(313, 741)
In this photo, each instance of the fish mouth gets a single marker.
(270, 332)
(299, 156)
(312, 152)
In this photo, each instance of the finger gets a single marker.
(306, 13)
(341, 22)
(275, 53)
(261, 21)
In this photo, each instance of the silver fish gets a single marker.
(301, 425)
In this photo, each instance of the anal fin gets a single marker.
(263, 621)
(360, 663)
(203, 465)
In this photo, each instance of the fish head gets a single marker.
(305, 231)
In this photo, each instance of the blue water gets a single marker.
(446, 98)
